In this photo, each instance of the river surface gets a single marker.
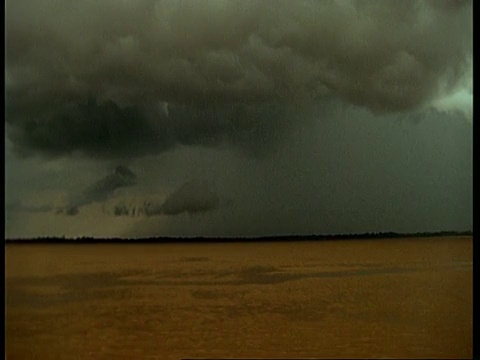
(402, 298)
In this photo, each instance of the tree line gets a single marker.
(172, 239)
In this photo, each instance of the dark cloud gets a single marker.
(351, 173)
(193, 197)
(90, 127)
(164, 73)
(339, 97)
(344, 171)
(124, 210)
(109, 131)
(100, 191)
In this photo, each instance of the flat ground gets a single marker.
(396, 298)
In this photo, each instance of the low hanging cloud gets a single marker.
(193, 197)
(19, 206)
(100, 191)
(111, 79)
(108, 130)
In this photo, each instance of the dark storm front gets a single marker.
(237, 118)
(395, 298)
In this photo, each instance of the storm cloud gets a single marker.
(336, 116)
(108, 131)
(112, 79)
(19, 206)
(193, 197)
(100, 191)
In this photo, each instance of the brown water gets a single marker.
(349, 299)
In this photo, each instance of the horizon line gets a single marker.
(364, 235)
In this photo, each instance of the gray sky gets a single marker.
(225, 118)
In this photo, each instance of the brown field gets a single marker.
(349, 299)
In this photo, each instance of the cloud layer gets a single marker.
(100, 190)
(117, 78)
(19, 206)
(193, 197)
